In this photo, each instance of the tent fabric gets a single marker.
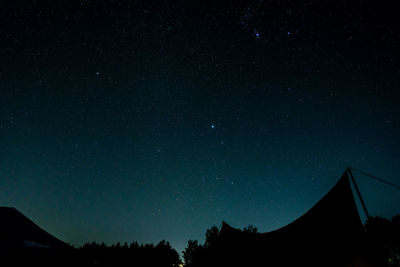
(329, 234)
(17, 231)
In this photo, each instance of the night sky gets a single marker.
(150, 120)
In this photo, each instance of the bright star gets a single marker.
(212, 126)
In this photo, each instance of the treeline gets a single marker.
(196, 254)
(96, 255)
(135, 254)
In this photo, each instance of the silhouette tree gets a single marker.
(166, 254)
(201, 255)
(134, 245)
(250, 229)
(211, 237)
(386, 236)
(192, 253)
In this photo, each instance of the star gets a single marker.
(212, 126)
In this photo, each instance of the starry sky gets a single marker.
(149, 120)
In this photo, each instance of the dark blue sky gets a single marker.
(129, 120)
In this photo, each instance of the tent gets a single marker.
(17, 231)
(329, 234)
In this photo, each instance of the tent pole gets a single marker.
(358, 192)
(376, 178)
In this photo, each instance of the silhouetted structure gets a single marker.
(329, 234)
(17, 231)
(23, 243)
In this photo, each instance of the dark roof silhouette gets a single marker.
(329, 234)
(17, 231)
